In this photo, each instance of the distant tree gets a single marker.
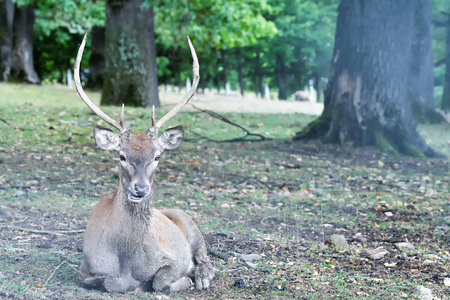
(366, 101)
(6, 37)
(130, 71)
(220, 28)
(303, 46)
(97, 59)
(23, 59)
(442, 23)
(421, 76)
(16, 40)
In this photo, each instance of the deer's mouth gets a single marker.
(133, 198)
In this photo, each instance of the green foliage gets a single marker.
(222, 24)
(301, 32)
(58, 30)
(305, 39)
(440, 15)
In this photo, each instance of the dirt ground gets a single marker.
(234, 103)
(282, 203)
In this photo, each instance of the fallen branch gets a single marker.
(445, 115)
(213, 114)
(31, 230)
(219, 254)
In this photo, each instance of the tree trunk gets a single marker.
(97, 59)
(282, 77)
(445, 105)
(23, 63)
(421, 76)
(6, 37)
(259, 75)
(130, 72)
(366, 101)
(225, 71)
(240, 72)
(318, 88)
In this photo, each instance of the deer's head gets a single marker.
(139, 152)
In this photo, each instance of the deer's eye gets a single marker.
(157, 157)
(122, 158)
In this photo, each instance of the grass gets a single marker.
(276, 198)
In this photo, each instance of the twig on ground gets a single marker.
(4, 121)
(434, 253)
(213, 114)
(246, 178)
(42, 231)
(322, 229)
(64, 262)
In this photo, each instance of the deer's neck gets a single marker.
(136, 214)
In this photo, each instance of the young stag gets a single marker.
(128, 243)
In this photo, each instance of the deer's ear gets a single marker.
(106, 139)
(172, 137)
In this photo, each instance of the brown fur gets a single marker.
(130, 244)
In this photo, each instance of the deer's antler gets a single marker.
(120, 126)
(195, 68)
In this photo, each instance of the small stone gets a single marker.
(447, 281)
(339, 242)
(4, 215)
(318, 192)
(423, 293)
(225, 205)
(378, 253)
(388, 214)
(251, 257)
(20, 193)
(405, 247)
(359, 238)
(2, 276)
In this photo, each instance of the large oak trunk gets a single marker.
(366, 101)
(6, 37)
(130, 72)
(22, 60)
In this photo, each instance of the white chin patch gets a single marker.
(134, 199)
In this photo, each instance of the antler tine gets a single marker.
(153, 116)
(189, 95)
(122, 116)
(85, 98)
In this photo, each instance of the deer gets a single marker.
(128, 243)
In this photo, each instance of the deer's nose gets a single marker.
(141, 190)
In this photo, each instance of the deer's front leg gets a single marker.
(102, 270)
(168, 280)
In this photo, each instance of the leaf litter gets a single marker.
(268, 211)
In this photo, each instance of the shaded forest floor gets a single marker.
(283, 202)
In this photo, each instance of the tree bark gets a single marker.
(282, 77)
(259, 74)
(97, 59)
(6, 37)
(445, 104)
(22, 60)
(240, 73)
(318, 88)
(366, 101)
(130, 71)
(421, 76)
